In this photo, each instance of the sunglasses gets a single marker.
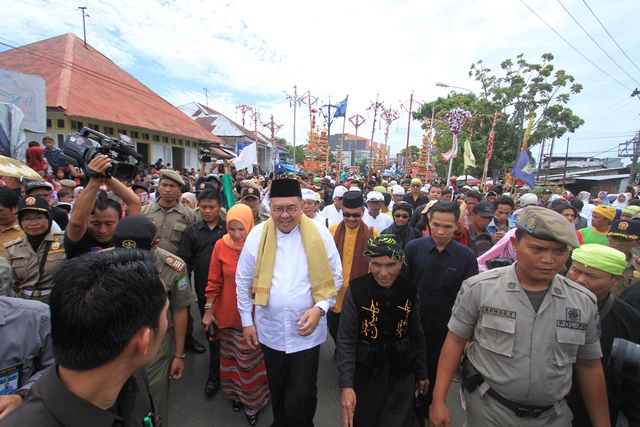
(401, 216)
(350, 215)
(416, 185)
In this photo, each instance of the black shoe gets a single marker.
(237, 405)
(191, 344)
(252, 419)
(211, 387)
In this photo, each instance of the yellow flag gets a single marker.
(469, 159)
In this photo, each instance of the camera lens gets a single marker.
(625, 359)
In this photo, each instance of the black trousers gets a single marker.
(214, 346)
(333, 321)
(292, 381)
(434, 341)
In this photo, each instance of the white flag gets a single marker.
(247, 157)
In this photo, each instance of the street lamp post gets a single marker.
(454, 87)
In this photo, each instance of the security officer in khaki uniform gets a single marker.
(169, 216)
(530, 329)
(623, 236)
(37, 257)
(139, 232)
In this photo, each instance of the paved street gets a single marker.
(191, 407)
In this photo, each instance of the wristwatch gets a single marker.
(322, 312)
(179, 356)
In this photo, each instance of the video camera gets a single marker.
(79, 148)
(625, 359)
(205, 156)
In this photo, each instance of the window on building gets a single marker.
(145, 136)
(60, 139)
(165, 139)
(108, 130)
(122, 131)
(187, 143)
(75, 125)
(179, 142)
(156, 138)
(134, 134)
(173, 141)
(60, 123)
(49, 124)
(94, 127)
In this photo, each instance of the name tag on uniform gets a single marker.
(55, 251)
(499, 312)
(10, 379)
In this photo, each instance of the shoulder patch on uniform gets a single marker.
(13, 242)
(174, 262)
(487, 275)
(182, 284)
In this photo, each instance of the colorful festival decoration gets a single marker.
(456, 119)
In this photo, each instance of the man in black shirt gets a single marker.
(414, 198)
(108, 318)
(196, 248)
(93, 222)
(438, 266)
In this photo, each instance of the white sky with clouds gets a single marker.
(253, 51)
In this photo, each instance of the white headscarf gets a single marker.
(621, 205)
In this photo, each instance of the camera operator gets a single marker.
(93, 222)
(600, 268)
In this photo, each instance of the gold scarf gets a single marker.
(320, 275)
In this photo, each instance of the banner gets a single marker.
(469, 159)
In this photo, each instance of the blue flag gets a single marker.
(524, 170)
(341, 108)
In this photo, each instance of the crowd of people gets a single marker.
(518, 296)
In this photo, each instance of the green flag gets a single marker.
(227, 190)
(469, 159)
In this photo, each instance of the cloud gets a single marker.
(252, 51)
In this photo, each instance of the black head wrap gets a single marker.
(385, 244)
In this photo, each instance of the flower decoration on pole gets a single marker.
(456, 119)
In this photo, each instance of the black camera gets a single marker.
(79, 148)
(625, 359)
(205, 155)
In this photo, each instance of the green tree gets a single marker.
(414, 151)
(299, 151)
(527, 91)
(363, 163)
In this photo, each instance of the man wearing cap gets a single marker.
(139, 232)
(600, 222)
(44, 189)
(398, 194)
(327, 190)
(373, 217)
(623, 236)
(9, 228)
(351, 236)
(196, 248)
(544, 197)
(628, 212)
(479, 238)
(37, 257)
(91, 226)
(530, 329)
(414, 198)
(142, 191)
(289, 271)
(251, 197)
(171, 218)
(310, 203)
(334, 211)
(380, 323)
(600, 269)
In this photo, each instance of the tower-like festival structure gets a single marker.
(316, 153)
(421, 167)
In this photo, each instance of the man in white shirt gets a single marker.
(292, 291)
(373, 217)
(398, 193)
(310, 204)
(334, 211)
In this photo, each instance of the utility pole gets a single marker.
(84, 26)
(294, 101)
(375, 106)
(566, 157)
(546, 178)
(631, 148)
(357, 121)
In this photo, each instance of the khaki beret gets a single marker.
(172, 175)
(67, 183)
(547, 224)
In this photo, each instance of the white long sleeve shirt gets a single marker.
(290, 296)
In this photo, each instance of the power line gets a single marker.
(594, 15)
(593, 40)
(574, 48)
(626, 98)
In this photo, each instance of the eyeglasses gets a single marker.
(416, 185)
(401, 216)
(291, 209)
(34, 218)
(350, 215)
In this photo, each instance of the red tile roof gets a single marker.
(82, 82)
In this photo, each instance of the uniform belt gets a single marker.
(521, 410)
(36, 293)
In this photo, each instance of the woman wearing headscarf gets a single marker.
(571, 213)
(35, 158)
(242, 370)
(38, 257)
(604, 197)
(190, 200)
(621, 201)
(401, 227)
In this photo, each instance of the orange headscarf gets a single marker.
(244, 215)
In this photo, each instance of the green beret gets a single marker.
(547, 224)
(172, 175)
(601, 257)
